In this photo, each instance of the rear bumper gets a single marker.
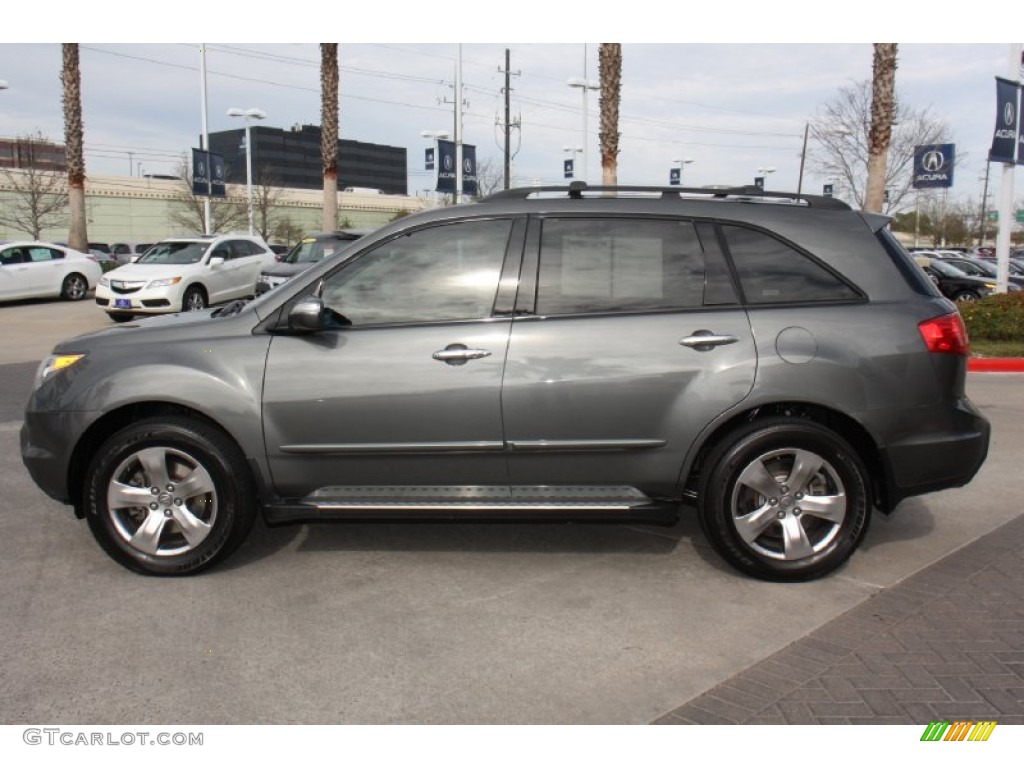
(946, 453)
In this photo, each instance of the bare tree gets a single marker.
(71, 78)
(883, 109)
(841, 134)
(266, 200)
(39, 198)
(489, 179)
(226, 213)
(329, 130)
(610, 64)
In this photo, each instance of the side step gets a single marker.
(472, 503)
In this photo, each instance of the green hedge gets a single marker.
(999, 317)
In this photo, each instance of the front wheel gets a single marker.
(784, 500)
(169, 496)
(194, 299)
(965, 296)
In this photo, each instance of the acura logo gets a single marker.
(467, 165)
(447, 162)
(1008, 113)
(933, 161)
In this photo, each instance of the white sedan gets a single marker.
(30, 270)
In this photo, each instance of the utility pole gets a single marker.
(983, 228)
(508, 124)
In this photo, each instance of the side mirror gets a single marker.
(307, 316)
(216, 261)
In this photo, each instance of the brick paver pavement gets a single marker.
(945, 644)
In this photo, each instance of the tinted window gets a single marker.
(449, 272)
(11, 256)
(602, 265)
(772, 272)
(174, 253)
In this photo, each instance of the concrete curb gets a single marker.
(996, 364)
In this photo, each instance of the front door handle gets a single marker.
(459, 354)
(704, 341)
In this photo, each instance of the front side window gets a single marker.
(444, 273)
(11, 256)
(618, 265)
(772, 272)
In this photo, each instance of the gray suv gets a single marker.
(776, 361)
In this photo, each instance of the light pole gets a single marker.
(435, 136)
(572, 152)
(584, 85)
(249, 114)
(682, 162)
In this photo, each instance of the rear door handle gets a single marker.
(704, 341)
(459, 354)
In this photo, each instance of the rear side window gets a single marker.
(914, 275)
(618, 265)
(772, 272)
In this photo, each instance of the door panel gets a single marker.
(608, 382)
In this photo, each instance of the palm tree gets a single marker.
(883, 111)
(329, 131)
(610, 65)
(71, 78)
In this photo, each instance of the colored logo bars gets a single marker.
(961, 730)
(1007, 136)
(933, 165)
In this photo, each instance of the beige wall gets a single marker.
(123, 208)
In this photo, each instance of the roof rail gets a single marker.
(576, 191)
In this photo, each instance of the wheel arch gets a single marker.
(118, 418)
(843, 425)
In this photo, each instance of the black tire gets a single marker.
(754, 519)
(194, 299)
(203, 508)
(965, 295)
(120, 317)
(74, 288)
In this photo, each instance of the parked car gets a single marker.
(32, 269)
(953, 282)
(184, 274)
(127, 252)
(554, 354)
(280, 250)
(305, 254)
(986, 270)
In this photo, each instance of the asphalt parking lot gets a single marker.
(388, 623)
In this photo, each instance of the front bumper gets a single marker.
(141, 301)
(47, 441)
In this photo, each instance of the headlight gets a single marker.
(165, 282)
(52, 364)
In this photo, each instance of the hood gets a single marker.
(287, 270)
(135, 271)
(138, 329)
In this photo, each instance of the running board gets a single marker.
(472, 503)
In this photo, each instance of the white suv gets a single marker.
(184, 274)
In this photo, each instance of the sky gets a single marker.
(730, 89)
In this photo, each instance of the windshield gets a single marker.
(174, 253)
(948, 270)
(309, 251)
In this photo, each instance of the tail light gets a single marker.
(945, 334)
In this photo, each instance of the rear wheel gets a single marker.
(169, 496)
(784, 500)
(75, 287)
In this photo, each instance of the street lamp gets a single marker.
(249, 114)
(572, 152)
(584, 85)
(682, 162)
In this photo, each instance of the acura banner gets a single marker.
(207, 174)
(446, 165)
(933, 165)
(1007, 137)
